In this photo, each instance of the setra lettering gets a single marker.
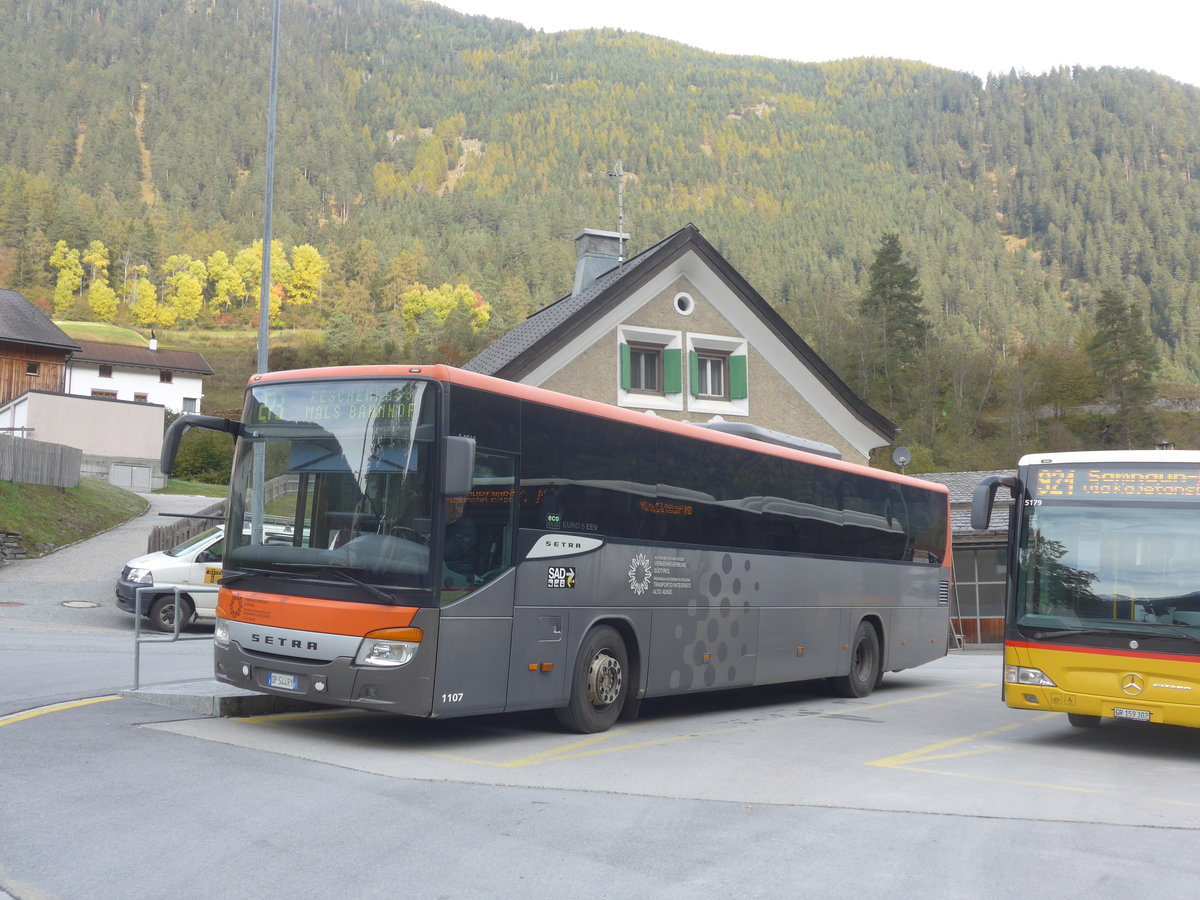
(270, 640)
(562, 545)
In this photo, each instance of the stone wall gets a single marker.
(11, 547)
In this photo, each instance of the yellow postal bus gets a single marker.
(1103, 599)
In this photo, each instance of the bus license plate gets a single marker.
(1134, 715)
(283, 681)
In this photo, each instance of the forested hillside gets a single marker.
(433, 167)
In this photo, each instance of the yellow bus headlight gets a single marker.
(1026, 675)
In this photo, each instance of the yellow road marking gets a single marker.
(589, 746)
(912, 760)
(58, 707)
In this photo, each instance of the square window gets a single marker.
(141, 398)
(645, 368)
(717, 374)
(712, 376)
(32, 368)
(106, 371)
(166, 376)
(649, 368)
(189, 404)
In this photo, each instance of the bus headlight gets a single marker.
(1026, 675)
(389, 647)
(221, 633)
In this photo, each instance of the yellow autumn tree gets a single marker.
(419, 301)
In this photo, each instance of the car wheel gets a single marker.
(162, 613)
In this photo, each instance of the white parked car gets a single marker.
(195, 562)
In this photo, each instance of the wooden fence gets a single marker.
(37, 462)
(164, 537)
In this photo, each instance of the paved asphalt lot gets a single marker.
(929, 787)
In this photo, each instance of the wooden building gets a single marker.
(33, 350)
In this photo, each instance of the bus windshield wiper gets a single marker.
(1176, 631)
(242, 572)
(1068, 632)
(1151, 630)
(344, 576)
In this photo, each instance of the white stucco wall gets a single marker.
(99, 427)
(83, 378)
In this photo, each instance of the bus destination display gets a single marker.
(1116, 483)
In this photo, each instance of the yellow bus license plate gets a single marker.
(1133, 715)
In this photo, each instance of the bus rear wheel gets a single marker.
(866, 665)
(598, 683)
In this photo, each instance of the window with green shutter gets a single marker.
(645, 368)
(738, 383)
(672, 362)
(717, 374)
(712, 374)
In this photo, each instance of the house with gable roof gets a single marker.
(150, 374)
(34, 352)
(677, 331)
(107, 400)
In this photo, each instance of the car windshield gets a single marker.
(193, 542)
(335, 479)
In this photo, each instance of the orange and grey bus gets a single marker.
(464, 545)
(1103, 606)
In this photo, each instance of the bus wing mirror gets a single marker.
(985, 496)
(460, 466)
(176, 429)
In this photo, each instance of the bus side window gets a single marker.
(479, 541)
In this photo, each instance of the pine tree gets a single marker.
(1123, 355)
(895, 327)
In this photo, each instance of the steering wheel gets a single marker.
(403, 531)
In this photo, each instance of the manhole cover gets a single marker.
(80, 604)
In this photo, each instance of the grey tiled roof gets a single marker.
(142, 357)
(518, 351)
(962, 484)
(962, 489)
(23, 323)
(545, 321)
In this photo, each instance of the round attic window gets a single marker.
(684, 304)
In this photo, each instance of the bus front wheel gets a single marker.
(866, 665)
(1079, 720)
(598, 683)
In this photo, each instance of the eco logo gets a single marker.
(553, 521)
(639, 574)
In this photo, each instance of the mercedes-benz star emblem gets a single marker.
(1132, 684)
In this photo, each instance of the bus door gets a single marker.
(476, 591)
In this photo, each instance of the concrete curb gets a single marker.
(214, 699)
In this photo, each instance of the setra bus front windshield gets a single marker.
(1110, 550)
(334, 480)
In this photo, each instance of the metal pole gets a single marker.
(264, 306)
(268, 198)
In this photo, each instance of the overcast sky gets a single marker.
(967, 37)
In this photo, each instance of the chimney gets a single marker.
(153, 343)
(596, 252)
